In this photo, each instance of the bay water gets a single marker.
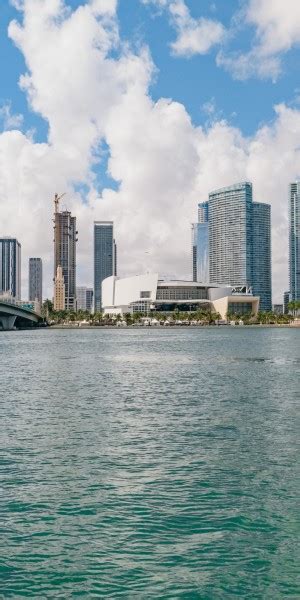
(150, 463)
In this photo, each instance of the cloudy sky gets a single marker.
(137, 109)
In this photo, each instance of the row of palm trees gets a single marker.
(201, 317)
(262, 318)
(294, 307)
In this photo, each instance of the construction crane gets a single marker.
(57, 198)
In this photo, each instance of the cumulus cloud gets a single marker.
(163, 164)
(194, 36)
(277, 30)
(9, 120)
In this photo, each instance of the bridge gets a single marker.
(12, 315)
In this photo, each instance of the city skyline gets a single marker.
(254, 223)
(150, 128)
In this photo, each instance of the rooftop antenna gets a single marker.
(57, 198)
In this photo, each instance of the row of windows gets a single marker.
(181, 293)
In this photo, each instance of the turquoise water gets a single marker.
(150, 463)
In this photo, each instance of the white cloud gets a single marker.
(277, 30)
(10, 120)
(164, 165)
(194, 36)
(277, 24)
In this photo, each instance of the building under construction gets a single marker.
(65, 238)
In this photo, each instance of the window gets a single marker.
(145, 294)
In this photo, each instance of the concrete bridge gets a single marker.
(12, 316)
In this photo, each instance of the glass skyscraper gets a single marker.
(105, 257)
(230, 235)
(200, 252)
(294, 241)
(240, 241)
(262, 269)
(10, 267)
(35, 280)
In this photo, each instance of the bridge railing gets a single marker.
(25, 305)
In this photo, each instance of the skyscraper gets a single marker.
(10, 267)
(261, 254)
(105, 257)
(294, 241)
(230, 235)
(240, 241)
(65, 238)
(200, 249)
(35, 280)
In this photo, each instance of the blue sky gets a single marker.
(138, 109)
(196, 82)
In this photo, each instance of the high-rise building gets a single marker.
(200, 252)
(261, 254)
(240, 241)
(230, 235)
(10, 267)
(105, 257)
(294, 241)
(65, 238)
(84, 298)
(59, 301)
(35, 280)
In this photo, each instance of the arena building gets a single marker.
(147, 293)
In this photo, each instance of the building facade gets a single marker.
(84, 297)
(294, 241)
(10, 267)
(230, 235)
(286, 301)
(147, 293)
(240, 241)
(59, 299)
(35, 279)
(65, 239)
(105, 258)
(200, 245)
(261, 254)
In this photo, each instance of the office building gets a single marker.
(10, 267)
(105, 258)
(84, 298)
(65, 238)
(294, 241)
(59, 299)
(200, 249)
(240, 241)
(146, 293)
(35, 280)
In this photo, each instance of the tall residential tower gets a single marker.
(200, 251)
(35, 280)
(294, 241)
(239, 241)
(105, 257)
(10, 267)
(65, 238)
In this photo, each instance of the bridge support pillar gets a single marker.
(8, 322)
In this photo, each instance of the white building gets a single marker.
(146, 293)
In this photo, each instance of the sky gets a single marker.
(137, 109)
